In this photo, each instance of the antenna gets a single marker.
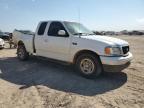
(79, 18)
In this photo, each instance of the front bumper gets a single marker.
(113, 64)
(115, 68)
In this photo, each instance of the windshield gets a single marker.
(77, 29)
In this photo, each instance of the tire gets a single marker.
(10, 46)
(22, 54)
(1, 48)
(88, 65)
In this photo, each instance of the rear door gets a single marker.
(40, 39)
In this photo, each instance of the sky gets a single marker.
(98, 15)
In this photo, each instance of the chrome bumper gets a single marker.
(116, 60)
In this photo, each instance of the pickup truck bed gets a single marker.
(24, 35)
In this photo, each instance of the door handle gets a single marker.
(74, 43)
(45, 40)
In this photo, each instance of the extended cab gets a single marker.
(73, 43)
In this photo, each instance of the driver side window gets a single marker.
(54, 29)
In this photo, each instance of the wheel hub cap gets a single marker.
(87, 66)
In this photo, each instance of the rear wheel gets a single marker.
(89, 65)
(22, 54)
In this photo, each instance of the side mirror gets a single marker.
(61, 33)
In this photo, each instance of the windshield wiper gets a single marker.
(80, 34)
(91, 34)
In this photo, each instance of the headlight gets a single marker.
(113, 51)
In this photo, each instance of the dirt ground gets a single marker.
(39, 83)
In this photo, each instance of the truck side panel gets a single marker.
(25, 38)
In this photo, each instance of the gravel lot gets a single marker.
(39, 83)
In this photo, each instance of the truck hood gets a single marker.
(106, 39)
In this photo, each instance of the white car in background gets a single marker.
(2, 43)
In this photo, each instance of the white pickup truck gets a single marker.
(71, 42)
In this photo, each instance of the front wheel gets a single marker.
(89, 65)
(22, 54)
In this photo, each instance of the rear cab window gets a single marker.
(42, 28)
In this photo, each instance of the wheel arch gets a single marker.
(85, 52)
(20, 42)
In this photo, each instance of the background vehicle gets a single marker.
(2, 43)
(4, 36)
(73, 43)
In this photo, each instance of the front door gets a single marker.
(58, 46)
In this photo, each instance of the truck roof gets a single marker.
(56, 21)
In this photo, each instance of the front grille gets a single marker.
(125, 49)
